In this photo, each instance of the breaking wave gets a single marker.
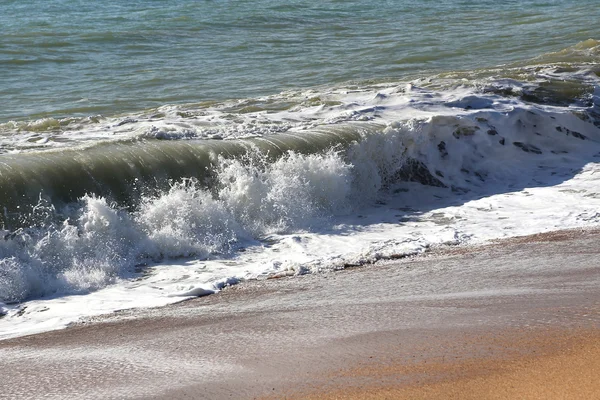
(220, 178)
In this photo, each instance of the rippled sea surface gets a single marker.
(64, 58)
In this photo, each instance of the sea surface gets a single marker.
(151, 151)
(80, 58)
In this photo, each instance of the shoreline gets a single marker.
(294, 336)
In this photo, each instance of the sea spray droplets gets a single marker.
(84, 252)
(293, 192)
(242, 186)
(377, 159)
(14, 279)
(323, 182)
(186, 221)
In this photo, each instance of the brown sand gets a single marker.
(517, 319)
(550, 365)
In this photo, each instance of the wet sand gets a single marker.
(513, 319)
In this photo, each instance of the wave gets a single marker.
(81, 216)
(126, 171)
(94, 240)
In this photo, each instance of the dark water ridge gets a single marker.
(124, 171)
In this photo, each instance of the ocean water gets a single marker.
(77, 58)
(155, 150)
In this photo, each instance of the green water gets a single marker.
(72, 58)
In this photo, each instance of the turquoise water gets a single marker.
(71, 58)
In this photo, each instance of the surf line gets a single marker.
(127, 170)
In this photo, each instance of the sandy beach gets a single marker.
(543, 364)
(517, 318)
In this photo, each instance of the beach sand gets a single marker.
(530, 364)
(517, 318)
